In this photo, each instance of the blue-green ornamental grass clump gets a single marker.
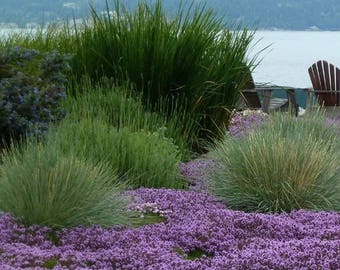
(43, 186)
(31, 87)
(286, 165)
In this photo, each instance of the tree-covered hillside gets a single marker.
(284, 14)
(23, 12)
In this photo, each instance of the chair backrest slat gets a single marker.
(249, 95)
(337, 79)
(332, 73)
(313, 72)
(251, 99)
(326, 75)
(338, 85)
(321, 75)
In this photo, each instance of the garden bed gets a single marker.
(193, 230)
(98, 165)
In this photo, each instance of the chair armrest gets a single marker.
(252, 90)
(327, 97)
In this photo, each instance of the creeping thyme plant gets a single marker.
(194, 222)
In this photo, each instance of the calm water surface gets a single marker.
(290, 54)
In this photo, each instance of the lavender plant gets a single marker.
(145, 158)
(122, 107)
(31, 87)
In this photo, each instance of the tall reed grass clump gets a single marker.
(142, 158)
(286, 165)
(191, 58)
(43, 186)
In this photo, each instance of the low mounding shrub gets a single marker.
(286, 165)
(31, 86)
(45, 187)
(150, 158)
(145, 158)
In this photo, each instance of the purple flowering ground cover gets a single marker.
(243, 122)
(194, 222)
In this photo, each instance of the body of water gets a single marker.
(291, 53)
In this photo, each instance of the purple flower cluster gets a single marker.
(194, 221)
(243, 122)
(196, 171)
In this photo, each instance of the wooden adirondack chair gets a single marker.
(325, 79)
(250, 96)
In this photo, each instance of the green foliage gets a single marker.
(287, 165)
(51, 263)
(145, 158)
(313, 124)
(149, 218)
(31, 86)
(117, 105)
(198, 253)
(46, 187)
(191, 59)
(121, 107)
(44, 39)
(194, 254)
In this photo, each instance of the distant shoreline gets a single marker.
(19, 29)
